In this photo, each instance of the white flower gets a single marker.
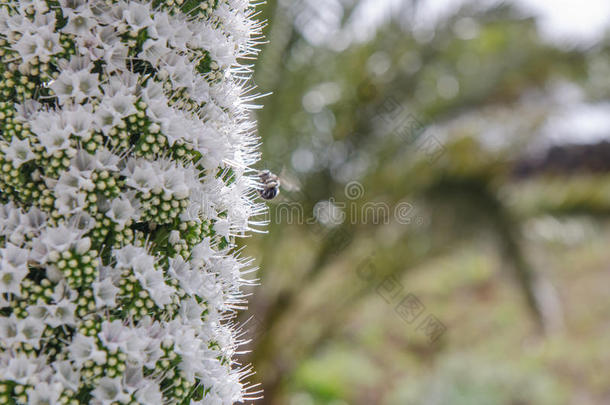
(9, 331)
(106, 201)
(13, 269)
(27, 47)
(48, 44)
(20, 369)
(106, 160)
(109, 48)
(174, 237)
(52, 132)
(67, 375)
(122, 211)
(149, 394)
(58, 239)
(34, 220)
(114, 335)
(190, 279)
(133, 378)
(105, 293)
(145, 342)
(30, 331)
(14, 257)
(153, 281)
(203, 253)
(190, 311)
(73, 6)
(223, 227)
(80, 20)
(180, 71)
(109, 391)
(81, 121)
(76, 85)
(141, 175)
(70, 202)
(154, 51)
(63, 87)
(19, 151)
(175, 182)
(137, 348)
(130, 255)
(44, 394)
(114, 109)
(84, 348)
(40, 7)
(40, 312)
(61, 314)
(137, 15)
(40, 41)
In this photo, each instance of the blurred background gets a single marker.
(442, 232)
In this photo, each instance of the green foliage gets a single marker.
(469, 253)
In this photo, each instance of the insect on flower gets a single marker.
(270, 184)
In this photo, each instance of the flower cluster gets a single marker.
(125, 155)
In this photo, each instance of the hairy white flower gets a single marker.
(13, 269)
(149, 393)
(105, 293)
(122, 211)
(109, 391)
(67, 375)
(20, 369)
(9, 331)
(114, 335)
(61, 314)
(52, 131)
(19, 151)
(27, 46)
(44, 394)
(84, 348)
(30, 331)
(125, 149)
(80, 20)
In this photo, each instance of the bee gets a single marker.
(270, 184)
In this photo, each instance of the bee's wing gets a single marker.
(289, 181)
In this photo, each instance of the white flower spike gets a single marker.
(125, 176)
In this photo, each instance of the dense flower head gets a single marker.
(125, 154)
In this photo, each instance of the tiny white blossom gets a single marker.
(19, 151)
(9, 331)
(27, 47)
(61, 314)
(52, 132)
(13, 269)
(114, 335)
(153, 281)
(80, 20)
(67, 375)
(84, 348)
(44, 394)
(30, 331)
(76, 86)
(105, 293)
(109, 391)
(81, 121)
(149, 394)
(137, 15)
(20, 369)
(122, 211)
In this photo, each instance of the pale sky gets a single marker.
(562, 21)
(584, 20)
